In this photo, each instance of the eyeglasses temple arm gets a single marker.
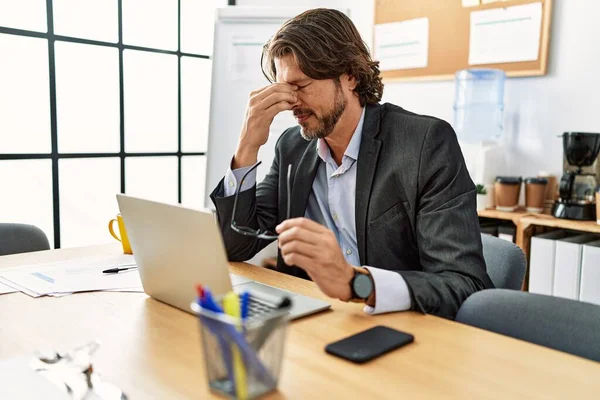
(237, 192)
(289, 190)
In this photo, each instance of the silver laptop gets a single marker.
(176, 248)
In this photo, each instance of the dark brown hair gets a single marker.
(326, 45)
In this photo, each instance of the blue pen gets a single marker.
(210, 303)
(245, 302)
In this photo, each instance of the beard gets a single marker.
(325, 123)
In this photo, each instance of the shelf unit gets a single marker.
(528, 224)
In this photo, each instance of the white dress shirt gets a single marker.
(329, 204)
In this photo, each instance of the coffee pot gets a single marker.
(577, 185)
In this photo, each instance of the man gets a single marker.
(381, 206)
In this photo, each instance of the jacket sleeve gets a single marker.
(447, 228)
(257, 208)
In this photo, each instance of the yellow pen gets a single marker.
(231, 306)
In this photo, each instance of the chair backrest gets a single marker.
(21, 238)
(506, 263)
(566, 325)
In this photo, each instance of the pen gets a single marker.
(117, 270)
(206, 301)
(209, 303)
(265, 331)
(200, 292)
(231, 305)
(244, 303)
(220, 328)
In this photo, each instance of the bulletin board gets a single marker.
(449, 24)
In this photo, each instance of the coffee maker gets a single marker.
(579, 180)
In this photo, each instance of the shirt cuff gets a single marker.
(391, 292)
(233, 177)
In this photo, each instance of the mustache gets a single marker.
(302, 111)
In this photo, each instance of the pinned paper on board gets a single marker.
(503, 35)
(244, 56)
(470, 3)
(402, 45)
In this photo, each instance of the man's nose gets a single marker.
(298, 102)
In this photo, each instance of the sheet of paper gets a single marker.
(470, 3)
(402, 45)
(19, 381)
(115, 260)
(244, 55)
(19, 288)
(76, 275)
(510, 34)
(69, 280)
(4, 289)
(138, 289)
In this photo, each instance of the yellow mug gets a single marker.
(123, 233)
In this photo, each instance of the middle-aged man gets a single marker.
(371, 202)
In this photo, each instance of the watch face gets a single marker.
(363, 287)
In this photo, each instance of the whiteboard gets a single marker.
(240, 33)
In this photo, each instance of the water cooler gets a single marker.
(478, 122)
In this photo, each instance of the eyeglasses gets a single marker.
(257, 233)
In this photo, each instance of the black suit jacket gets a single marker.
(415, 206)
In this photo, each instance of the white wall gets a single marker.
(538, 109)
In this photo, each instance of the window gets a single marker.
(99, 98)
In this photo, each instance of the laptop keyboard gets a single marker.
(257, 308)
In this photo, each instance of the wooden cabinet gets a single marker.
(528, 224)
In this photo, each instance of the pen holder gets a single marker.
(242, 361)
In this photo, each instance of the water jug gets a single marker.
(479, 105)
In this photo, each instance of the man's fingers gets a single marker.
(302, 223)
(300, 260)
(276, 108)
(297, 233)
(275, 98)
(258, 96)
(302, 248)
(258, 91)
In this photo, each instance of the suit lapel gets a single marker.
(365, 174)
(302, 180)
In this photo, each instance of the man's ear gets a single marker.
(350, 81)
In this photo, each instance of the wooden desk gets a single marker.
(152, 350)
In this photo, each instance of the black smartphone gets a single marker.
(367, 345)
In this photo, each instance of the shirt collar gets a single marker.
(353, 147)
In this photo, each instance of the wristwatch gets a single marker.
(361, 285)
